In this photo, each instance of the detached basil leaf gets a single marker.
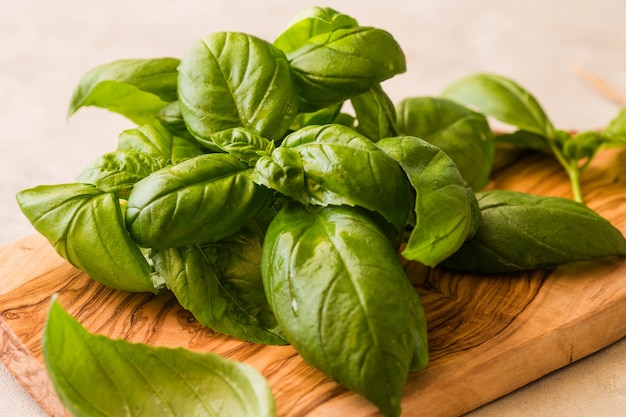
(311, 22)
(86, 227)
(332, 67)
(96, 376)
(502, 99)
(117, 172)
(460, 132)
(134, 88)
(439, 188)
(375, 113)
(340, 166)
(156, 141)
(232, 80)
(523, 231)
(221, 285)
(341, 296)
(199, 200)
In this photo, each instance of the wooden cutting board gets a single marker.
(489, 335)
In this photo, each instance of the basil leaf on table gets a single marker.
(117, 172)
(86, 227)
(232, 80)
(199, 200)
(134, 88)
(332, 67)
(341, 296)
(94, 375)
(522, 231)
(334, 165)
(311, 22)
(221, 285)
(461, 133)
(158, 142)
(502, 99)
(439, 188)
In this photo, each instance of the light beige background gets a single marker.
(45, 46)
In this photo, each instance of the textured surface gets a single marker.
(46, 46)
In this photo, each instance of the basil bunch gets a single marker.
(275, 216)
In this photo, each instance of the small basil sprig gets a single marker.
(521, 231)
(507, 101)
(95, 375)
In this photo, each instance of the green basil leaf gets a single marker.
(502, 99)
(460, 132)
(332, 67)
(523, 139)
(156, 141)
(311, 22)
(375, 114)
(244, 144)
(340, 166)
(117, 172)
(616, 128)
(282, 171)
(221, 285)
(98, 376)
(522, 231)
(86, 227)
(232, 80)
(341, 296)
(134, 88)
(439, 188)
(171, 118)
(584, 145)
(202, 199)
(323, 116)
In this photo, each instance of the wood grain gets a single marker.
(488, 335)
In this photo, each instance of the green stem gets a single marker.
(571, 167)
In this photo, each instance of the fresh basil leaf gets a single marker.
(117, 172)
(86, 227)
(98, 376)
(156, 141)
(311, 22)
(221, 285)
(232, 80)
(523, 139)
(244, 144)
(323, 116)
(332, 67)
(200, 200)
(522, 231)
(502, 99)
(375, 113)
(616, 128)
(584, 145)
(134, 88)
(460, 132)
(336, 165)
(171, 118)
(341, 296)
(439, 188)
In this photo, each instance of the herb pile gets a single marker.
(274, 215)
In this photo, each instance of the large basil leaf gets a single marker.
(522, 231)
(117, 172)
(202, 199)
(311, 22)
(334, 66)
(502, 99)
(158, 142)
(341, 296)
(221, 285)
(460, 132)
(333, 165)
(98, 376)
(439, 188)
(232, 80)
(134, 88)
(86, 227)
(375, 113)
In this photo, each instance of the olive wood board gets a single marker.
(488, 335)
